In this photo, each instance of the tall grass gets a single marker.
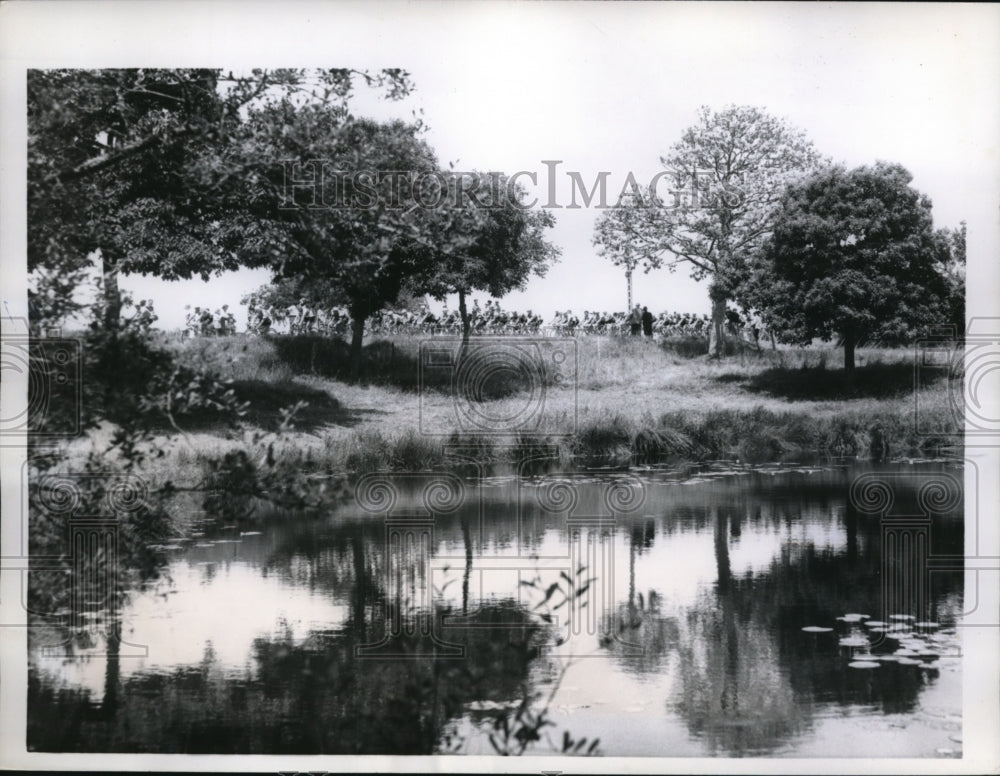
(758, 435)
(368, 451)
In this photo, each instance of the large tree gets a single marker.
(343, 200)
(713, 205)
(853, 254)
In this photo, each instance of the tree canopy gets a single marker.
(854, 255)
(339, 203)
(619, 236)
(493, 246)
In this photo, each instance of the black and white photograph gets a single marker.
(520, 386)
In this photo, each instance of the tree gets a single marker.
(853, 254)
(618, 237)
(136, 165)
(353, 220)
(493, 246)
(728, 171)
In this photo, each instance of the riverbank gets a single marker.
(618, 399)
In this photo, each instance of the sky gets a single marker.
(609, 87)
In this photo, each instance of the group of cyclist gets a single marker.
(621, 323)
(490, 318)
(298, 319)
(202, 322)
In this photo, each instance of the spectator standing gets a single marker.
(635, 321)
(647, 322)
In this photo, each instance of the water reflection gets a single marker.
(309, 695)
(409, 635)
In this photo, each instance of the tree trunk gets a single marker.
(112, 294)
(722, 565)
(628, 277)
(463, 310)
(467, 540)
(851, 527)
(717, 329)
(357, 337)
(360, 584)
(849, 343)
(112, 669)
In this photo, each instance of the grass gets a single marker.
(619, 398)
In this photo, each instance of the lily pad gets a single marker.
(863, 664)
(817, 629)
(854, 641)
(902, 617)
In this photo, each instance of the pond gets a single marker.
(720, 610)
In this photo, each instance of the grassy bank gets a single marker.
(620, 399)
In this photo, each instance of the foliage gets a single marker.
(495, 246)
(134, 383)
(357, 234)
(619, 236)
(736, 161)
(951, 265)
(52, 296)
(853, 254)
(139, 165)
(515, 731)
(57, 493)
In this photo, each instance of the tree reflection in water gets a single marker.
(751, 678)
(733, 691)
(312, 696)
